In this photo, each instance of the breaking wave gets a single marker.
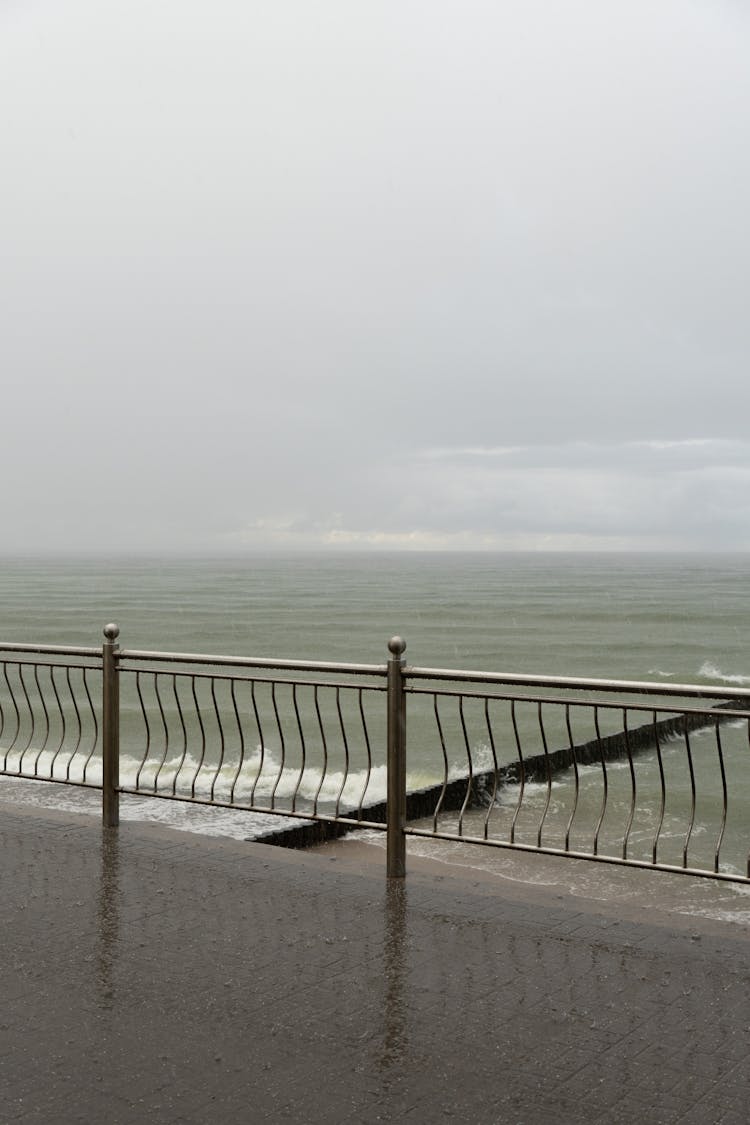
(710, 671)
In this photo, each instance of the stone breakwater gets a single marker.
(452, 795)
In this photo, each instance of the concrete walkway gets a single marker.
(155, 976)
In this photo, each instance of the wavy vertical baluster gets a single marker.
(626, 732)
(549, 775)
(522, 772)
(165, 728)
(2, 719)
(2, 716)
(94, 724)
(571, 743)
(32, 720)
(147, 749)
(346, 752)
(79, 724)
(493, 794)
(222, 741)
(202, 755)
(45, 712)
(62, 723)
(181, 717)
(324, 744)
(748, 743)
(303, 748)
(663, 798)
(282, 745)
(241, 734)
(441, 798)
(262, 745)
(722, 829)
(368, 770)
(689, 832)
(605, 782)
(17, 714)
(470, 778)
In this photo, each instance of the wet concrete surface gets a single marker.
(150, 975)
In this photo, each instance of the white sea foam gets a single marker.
(710, 671)
(205, 820)
(260, 780)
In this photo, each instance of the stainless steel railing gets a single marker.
(624, 772)
(638, 773)
(302, 739)
(294, 747)
(50, 713)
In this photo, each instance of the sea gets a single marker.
(663, 617)
(628, 616)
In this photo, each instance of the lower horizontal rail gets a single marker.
(544, 849)
(261, 809)
(55, 780)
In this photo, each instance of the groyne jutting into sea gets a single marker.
(641, 773)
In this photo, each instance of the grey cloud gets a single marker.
(259, 261)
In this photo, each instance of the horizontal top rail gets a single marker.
(50, 650)
(239, 677)
(634, 687)
(380, 671)
(138, 655)
(720, 711)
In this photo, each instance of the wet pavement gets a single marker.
(150, 975)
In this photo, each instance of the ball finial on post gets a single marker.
(111, 632)
(397, 646)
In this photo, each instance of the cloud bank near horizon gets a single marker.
(581, 496)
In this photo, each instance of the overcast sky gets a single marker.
(412, 273)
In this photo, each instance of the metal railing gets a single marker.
(296, 738)
(50, 713)
(644, 774)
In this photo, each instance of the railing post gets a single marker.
(396, 808)
(110, 728)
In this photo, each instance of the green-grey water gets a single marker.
(668, 618)
(618, 616)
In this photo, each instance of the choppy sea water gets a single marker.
(680, 619)
(626, 616)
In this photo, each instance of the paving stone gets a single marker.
(149, 975)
